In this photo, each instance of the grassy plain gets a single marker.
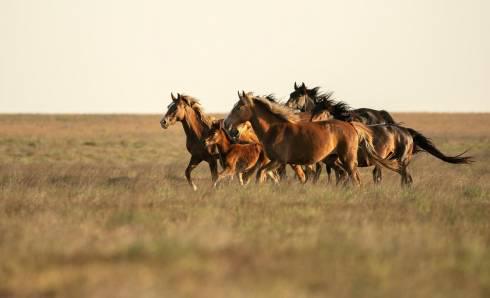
(97, 206)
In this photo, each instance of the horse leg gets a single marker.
(340, 174)
(192, 165)
(228, 171)
(240, 179)
(248, 173)
(270, 166)
(282, 172)
(406, 177)
(349, 163)
(329, 171)
(299, 173)
(318, 172)
(273, 176)
(377, 175)
(213, 167)
(309, 172)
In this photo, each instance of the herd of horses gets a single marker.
(310, 130)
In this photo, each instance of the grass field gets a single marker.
(97, 206)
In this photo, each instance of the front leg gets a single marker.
(271, 166)
(192, 165)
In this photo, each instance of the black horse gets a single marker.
(306, 100)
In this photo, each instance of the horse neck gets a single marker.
(262, 119)
(193, 127)
(309, 105)
(224, 145)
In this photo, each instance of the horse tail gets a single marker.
(366, 142)
(422, 143)
(387, 117)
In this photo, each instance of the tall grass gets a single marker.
(97, 206)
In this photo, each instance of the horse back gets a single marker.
(308, 142)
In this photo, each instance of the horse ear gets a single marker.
(239, 95)
(216, 123)
(173, 97)
(245, 99)
(303, 88)
(295, 86)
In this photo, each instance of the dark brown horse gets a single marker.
(197, 125)
(287, 140)
(399, 144)
(306, 100)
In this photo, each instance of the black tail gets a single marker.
(425, 144)
(387, 117)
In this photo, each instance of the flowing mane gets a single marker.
(197, 107)
(282, 111)
(318, 96)
(324, 101)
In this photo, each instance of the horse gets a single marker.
(244, 133)
(310, 170)
(241, 159)
(398, 145)
(286, 140)
(319, 104)
(305, 100)
(196, 124)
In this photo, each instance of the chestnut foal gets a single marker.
(241, 159)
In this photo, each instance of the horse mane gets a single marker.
(318, 96)
(277, 109)
(323, 101)
(272, 97)
(195, 104)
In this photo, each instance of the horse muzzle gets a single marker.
(164, 124)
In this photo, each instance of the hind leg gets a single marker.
(377, 175)
(227, 172)
(240, 179)
(340, 174)
(329, 172)
(406, 177)
(310, 172)
(349, 164)
(318, 172)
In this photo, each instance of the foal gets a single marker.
(240, 159)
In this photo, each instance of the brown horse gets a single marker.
(309, 170)
(246, 134)
(287, 140)
(197, 125)
(241, 159)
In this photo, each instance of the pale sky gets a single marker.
(101, 56)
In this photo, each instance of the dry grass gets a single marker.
(97, 206)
